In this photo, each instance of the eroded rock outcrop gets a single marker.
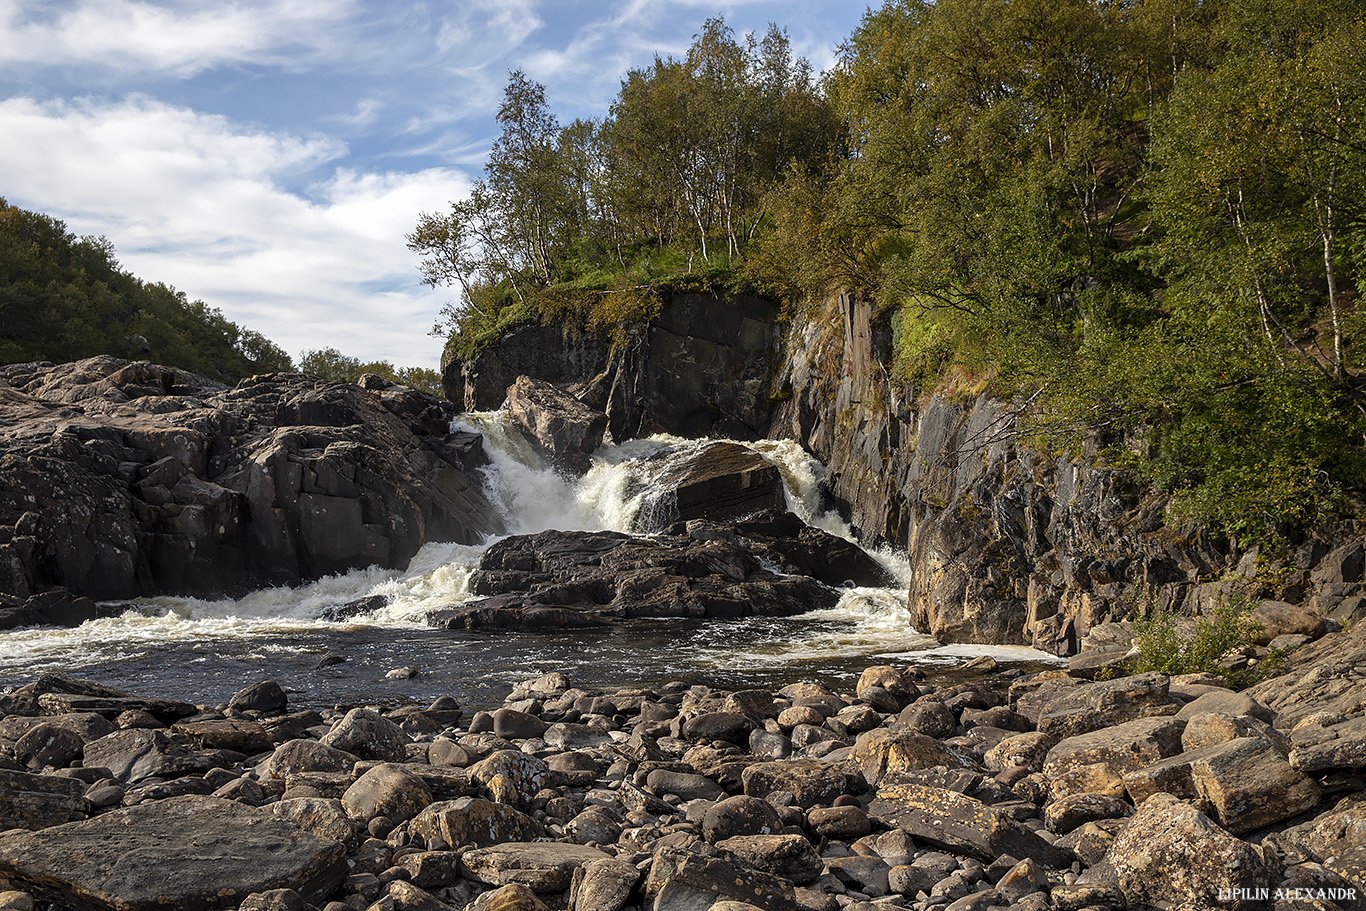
(771, 565)
(120, 480)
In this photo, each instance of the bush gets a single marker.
(1229, 629)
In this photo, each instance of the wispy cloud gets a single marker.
(178, 39)
(200, 202)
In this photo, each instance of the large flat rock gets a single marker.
(190, 853)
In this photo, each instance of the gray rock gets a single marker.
(134, 755)
(266, 697)
(681, 881)
(474, 821)
(788, 856)
(1170, 851)
(321, 817)
(740, 815)
(810, 781)
(1067, 813)
(1096, 762)
(511, 776)
(47, 745)
(368, 735)
(38, 801)
(562, 429)
(839, 823)
(595, 825)
(960, 823)
(514, 725)
(602, 885)
(185, 852)
(1247, 784)
(684, 785)
(540, 866)
(1341, 745)
(388, 790)
(295, 756)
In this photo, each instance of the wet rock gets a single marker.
(559, 427)
(186, 852)
(368, 735)
(266, 697)
(957, 822)
(540, 866)
(1170, 851)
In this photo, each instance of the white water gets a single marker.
(869, 624)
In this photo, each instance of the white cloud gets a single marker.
(177, 38)
(202, 203)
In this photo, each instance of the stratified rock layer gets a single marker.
(121, 480)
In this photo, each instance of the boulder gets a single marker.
(1096, 762)
(885, 753)
(960, 823)
(810, 781)
(787, 856)
(368, 735)
(740, 815)
(133, 755)
(1247, 783)
(38, 801)
(191, 852)
(602, 885)
(474, 821)
(388, 790)
(1171, 852)
(540, 866)
(715, 480)
(562, 429)
(680, 880)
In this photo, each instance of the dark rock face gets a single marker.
(121, 480)
(701, 368)
(698, 569)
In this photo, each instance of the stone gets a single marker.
(1226, 702)
(134, 755)
(266, 697)
(1028, 750)
(1211, 728)
(1025, 878)
(47, 745)
(1247, 784)
(884, 753)
(788, 856)
(900, 682)
(562, 429)
(325, 818)
(368, 735)
(1091, 841)
(1093, 706)
(1278, 618)
(474, 821)
(741, 815)
(295, 756)
(1067, 813)
(810, 781)
(731, 726)
(540, 866)
(237, 734)
(273, 900)
(388, 790)
(960, 823)
(1340, 745)
(404, 896)
(38, 801)
(929, 717)
(519, 774)
(595, 825)
(679, 880)
(187, 852)
(1096, 762)
(839, 823)
(513, 897)
(686, 786)
(603, 885)
(513, 725)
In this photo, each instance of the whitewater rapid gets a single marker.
(288, 626)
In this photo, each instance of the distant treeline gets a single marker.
(64, 297)
(1143, 219)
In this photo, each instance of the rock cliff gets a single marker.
(1007, 544)
(124, 479)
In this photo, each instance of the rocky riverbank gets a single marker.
(1007, 790)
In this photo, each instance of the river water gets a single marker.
(204, 651)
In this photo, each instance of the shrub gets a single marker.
(1161, 646)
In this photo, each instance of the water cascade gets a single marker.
(197, 649)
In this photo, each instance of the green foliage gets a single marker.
(596, 220)
(1162, 646)
(331, 364)
(63, 298)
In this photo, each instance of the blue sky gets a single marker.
(268, 156)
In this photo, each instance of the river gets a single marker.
(204, 651)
